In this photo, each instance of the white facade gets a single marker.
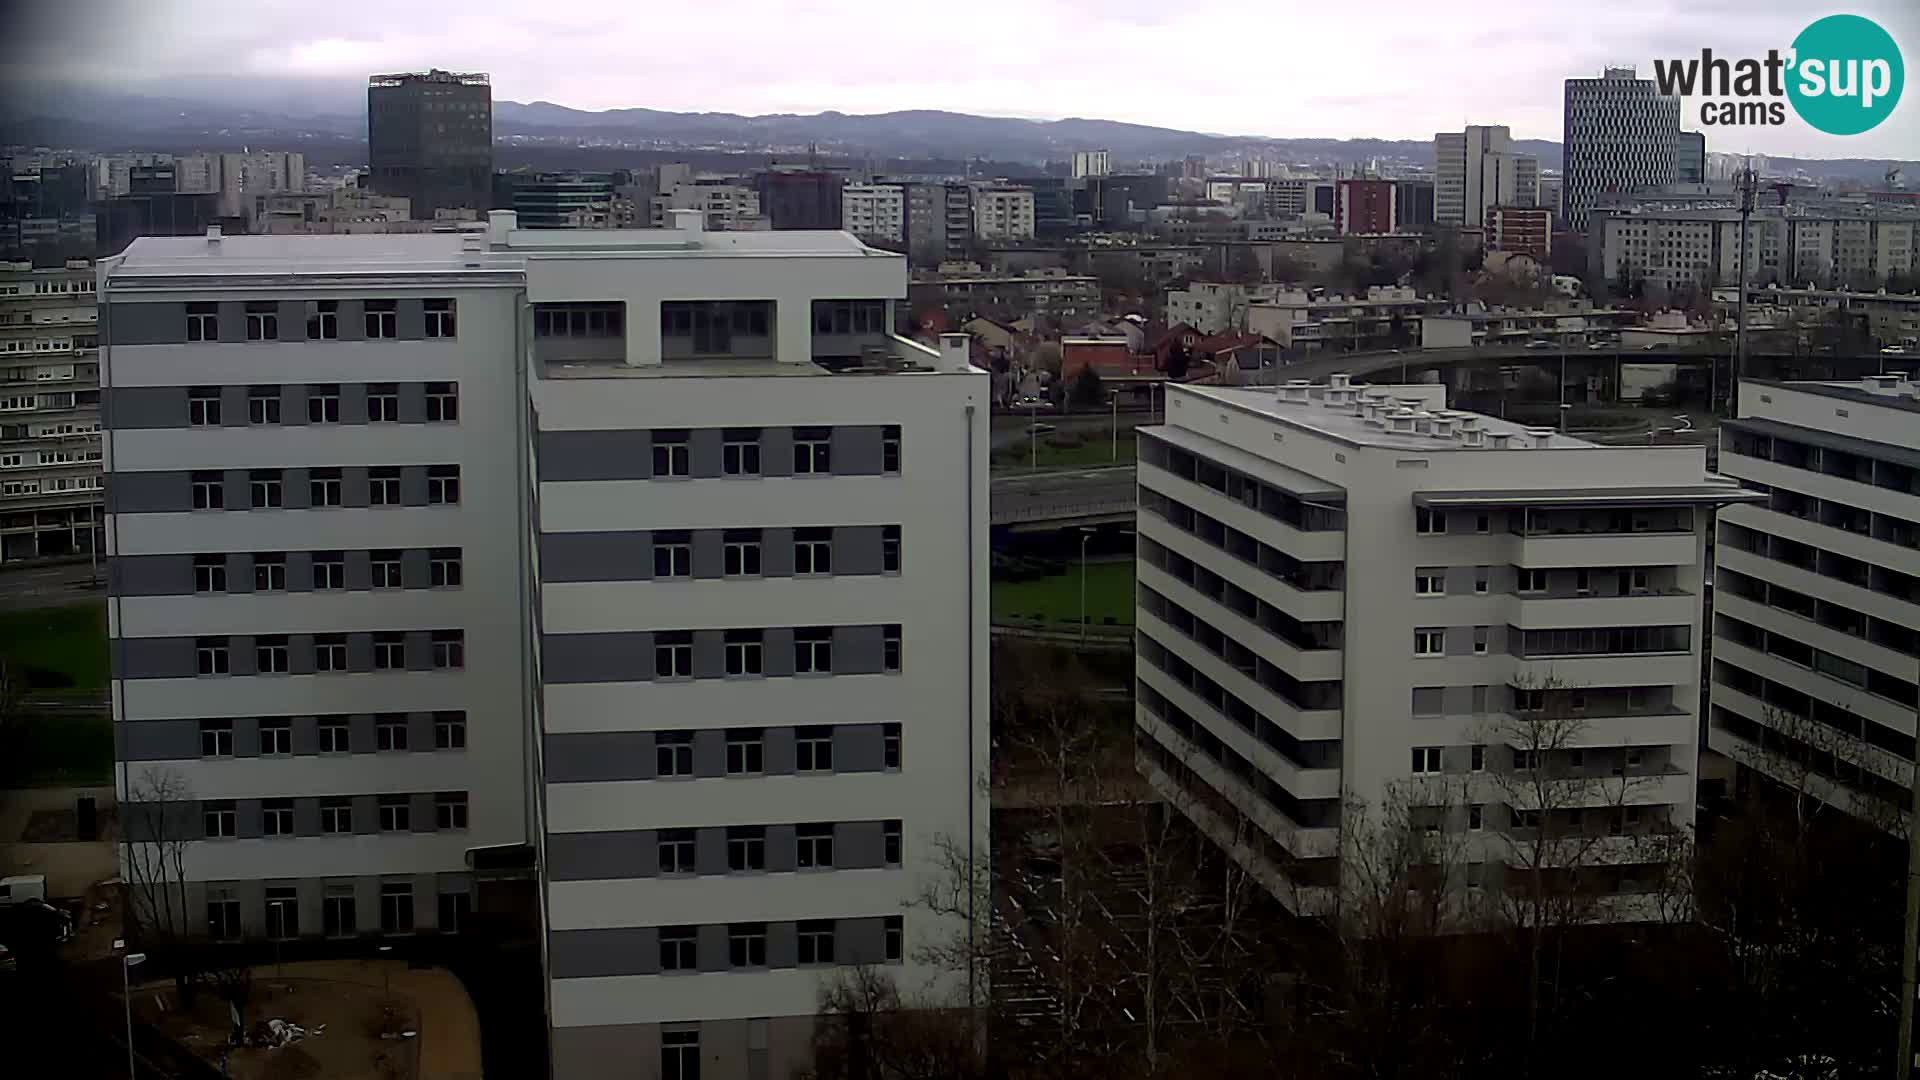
(874, 210)
(49, 411)
(237, 177)
(1001, 213)
(729, 205)
(1478, 168)
(697, 673)
(1347, 592)
(1857, 247)
(1620, 135)
(1817, 590)
(1092, 163)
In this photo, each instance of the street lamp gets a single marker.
(1086, 534)
(1033, 434)
(1116, 425)
(386, 980)
(127, 962)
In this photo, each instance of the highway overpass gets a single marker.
(1052, 500)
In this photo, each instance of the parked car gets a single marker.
(1539, 344)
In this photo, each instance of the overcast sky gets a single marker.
(1383, 68)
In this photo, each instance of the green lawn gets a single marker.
(62, 648)
(57, 750)
(1055, 601)
(1096, 450)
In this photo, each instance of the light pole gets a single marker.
(1116, 425)
(127, 962)
(1033, 434)
(1086, 534)
(386, 980)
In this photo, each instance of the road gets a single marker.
(49, 586)
(1042, 496)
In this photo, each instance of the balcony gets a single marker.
(1548, 551)
(1649, 608)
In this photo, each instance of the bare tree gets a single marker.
(155, 831)
(866, 1029)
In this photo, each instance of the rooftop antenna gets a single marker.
(1748, 182)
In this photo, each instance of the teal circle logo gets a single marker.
(1846, 75)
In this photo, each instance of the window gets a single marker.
(1577, 700)
(895, 936)
(746, 751)
(1429, 522)
(218, 818)
(812, 450)
(1476, 816)
(1480, 640)
(329, 570)
(449, 731)
(673, 654)
(740, 452)
(203, 406)
(323, 404)
(677, 948)
(890, 549)
(443, 402)
(812, 551)
(439, 312)
(670, 454)
(396, 907)
(890, 842)
(223, 915)
(673, 754)
(813, 749)
(263, 405)
(336, 911)
(1482, 522)
(816, 941)
(276, 817)
(743, 648)
(747, 945)
(209, 573)
(323, 320)
(283, 913)
(815, 851)
(203, 322)
(210, 655)
(579, 320)
(890, 746)
(890, 449)
(265, 490)
(890, 648)
(1429, 642)
(276, 736)
(1533, 581)
(741, 554)
(269, 572)
(382, 318)
(383, 486)
(385, 569)
(443, 568)
(455, 909)
(334, 735)
(1426, 759)
(1526, 760)
(216, 738)
(450, 810)
(443, 485)
(1529, 699)
(390, 732)
(746, 848)
(1482, 577)
(324, 487)
(672, 554)
(1479, 756)
(679, 1054)
(209, 491)
(383, 403)
(1638, 581)
(395, 814)
(449, 649)
(676, 851)
(1429, 582)
(813, 651)
(1583, 582)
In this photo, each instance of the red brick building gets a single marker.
(1526, 230)
(1364, 206)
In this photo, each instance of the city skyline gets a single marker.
(1505, 71)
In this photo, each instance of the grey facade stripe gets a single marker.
(776, 552)
(299, 654)
(353, 320)
(178, 819)
(358, 571)
(712, 948)
(419, 648)
(595, 455)
(709, 753)
(860, 941)
(240, 572)
(143, 323)
(778, 752)
(602, 856)
(413, 485)
(635, 950)
(420, 816)
(157, 740)
(306, 735)
(856, 451)
(233, 406)
(856, 549)
(306, 816)
(151, 492)
(247, 819)
(776, 451)
(359, 654)
(709, 654)
(360, 729)
(709, 554)
(238, 497)
(366, 815)
(246, 736)
(782, 849)
(420, 735)
(411, 323)
(858, 845)
(592, 757)
(293, 404)
(596, 556)
(583, 954)
(857, 650)
(128, 408)
(150, 575)
(155, 658)
(858, 748)
(413, 403)
(293, 320)
(589, 658)
(353, 403)
(777, 651)
(710, 851)
(233, 320)
(299, 571)
(783, 945)
(703, 452)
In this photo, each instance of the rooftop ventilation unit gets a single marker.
(1501, 439)
(1401, 422)
(1443, 427)
(1294, 391)
(1472, 437)
(1339, 380)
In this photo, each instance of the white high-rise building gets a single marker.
(1621, 135)
(1003, 213)
(1352, 593)
(878, 210)
(1816, 597)
(49, 412)
(238, 177)
(1092, 163)
(644, 603)
(1476, 169)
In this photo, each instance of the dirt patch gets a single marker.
(63, 826)
(354, 1031)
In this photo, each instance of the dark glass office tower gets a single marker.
(430, 138)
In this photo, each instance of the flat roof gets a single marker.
(1288, 479)
(1343, 425)
(1832, 440)
(1851, 391)
(1674, 494)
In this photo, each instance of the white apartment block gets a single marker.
(1816, 594)
(1092, 163)
(728, 205)
(1477, 168)
(1857, 247)
(237, 178)
(1003, 213)
(646, 595)
(878, 210)
(1349, 591)
(49, 412)
(1620, 135)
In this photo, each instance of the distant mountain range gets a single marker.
(330, 125)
